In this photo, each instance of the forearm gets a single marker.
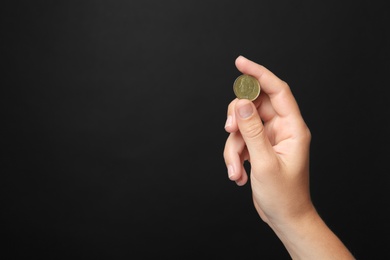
(310, 238)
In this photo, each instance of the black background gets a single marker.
(113, 113)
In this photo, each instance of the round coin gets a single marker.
(246, 86)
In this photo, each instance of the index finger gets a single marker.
(279, 92)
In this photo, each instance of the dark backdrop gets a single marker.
(112, 116)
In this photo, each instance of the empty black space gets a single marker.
(113, 113)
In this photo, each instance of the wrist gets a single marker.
(293, 223)
(308, 237)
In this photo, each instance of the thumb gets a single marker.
(252, 130)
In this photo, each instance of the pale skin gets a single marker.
(272, 136)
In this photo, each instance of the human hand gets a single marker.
(271, 134)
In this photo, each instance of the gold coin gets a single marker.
(246, 86)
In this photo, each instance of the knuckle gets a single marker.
(225, 154)
(231, 106)
(285, 88)
(284, 85)
(253, 130)
(307, 135)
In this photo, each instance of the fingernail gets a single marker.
(228, 121)
(230, 171)
(245, 111)
(239, 183)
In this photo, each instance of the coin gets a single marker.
(246, 87)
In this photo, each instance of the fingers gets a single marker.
(231, 125)
(252, 131)
(245, 122)
(235, 154)
(263, 106)
(278, 91)
(249, 142)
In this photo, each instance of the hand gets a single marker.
(271, 134)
